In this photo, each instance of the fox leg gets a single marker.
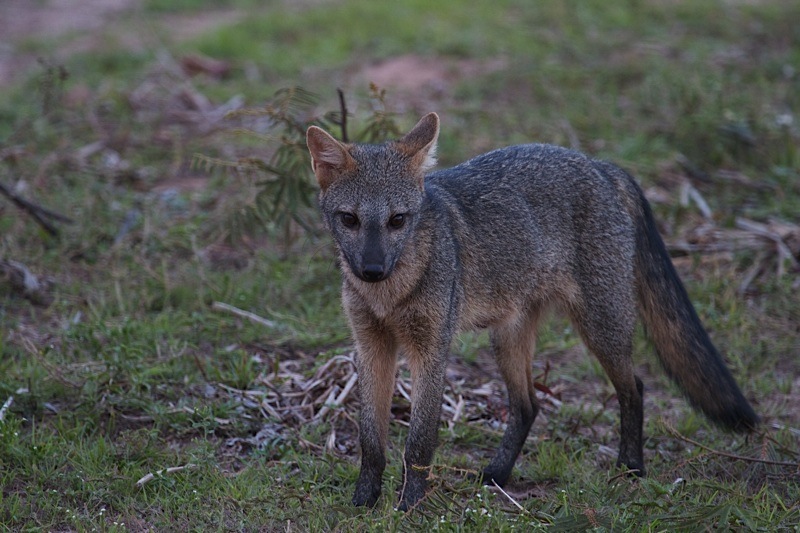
(606, 324)
(427, 358)
(513, 347)
(376, 365)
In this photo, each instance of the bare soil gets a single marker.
(87, 25)
(412, 73)
(81, 26)
(23, 22)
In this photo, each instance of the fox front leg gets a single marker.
(428, 376)
(375, 363)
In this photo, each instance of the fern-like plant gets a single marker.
(285, 184)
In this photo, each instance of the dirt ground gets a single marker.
(86, 25)
(23, 23)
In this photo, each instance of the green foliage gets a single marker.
(184, 6)
(285, 183)
(469, 343)
(131, 371)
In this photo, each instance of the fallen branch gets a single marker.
(39, 213)
(729, 455)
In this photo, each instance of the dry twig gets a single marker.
(343, 119)
(674, 432)
(151, 476)
(776, 244)
(6, 407)
(37, 212)
(26, 283)
(770, 234)
(55, 371)
(507, 495)
(220, 306)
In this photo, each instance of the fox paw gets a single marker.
(366, 496)
(489, 477)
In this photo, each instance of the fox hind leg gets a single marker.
(606, 325)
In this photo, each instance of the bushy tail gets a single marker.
(682, 344)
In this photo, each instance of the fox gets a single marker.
(494, 243)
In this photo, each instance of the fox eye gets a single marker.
(349, 220)
(397, 221)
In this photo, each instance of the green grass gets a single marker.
(132, 371)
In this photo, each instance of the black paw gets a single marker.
(366, 496)
(408, 503)
(413, 492)
(634, 469)
(490, 477)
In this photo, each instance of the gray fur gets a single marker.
(494, 243)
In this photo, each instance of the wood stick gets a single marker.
(39, 213)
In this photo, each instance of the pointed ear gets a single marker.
(420, 143)
(329, 158)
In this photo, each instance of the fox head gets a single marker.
(371, 195)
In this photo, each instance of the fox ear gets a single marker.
(420, 143)
(329, 158)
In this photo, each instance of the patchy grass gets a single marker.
(132, 370)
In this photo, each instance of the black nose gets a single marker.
(372, 272)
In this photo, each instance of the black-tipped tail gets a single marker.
(683, 346)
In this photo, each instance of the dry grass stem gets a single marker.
(221, 306)
(171, 470)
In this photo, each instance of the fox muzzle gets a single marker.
(372, 265)
(372, 272)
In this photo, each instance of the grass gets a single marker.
(131, 371)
